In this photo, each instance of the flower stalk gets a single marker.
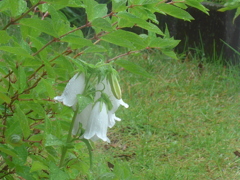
(69, 139)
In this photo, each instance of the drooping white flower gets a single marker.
(97, 123)
(74, 87)
(105, 86)
(82, 118)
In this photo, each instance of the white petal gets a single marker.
(123, 103)
(74, 87)
(115, 102)
(98, 123)
(111, 119)
(82, 118)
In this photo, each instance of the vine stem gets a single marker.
(69, 138)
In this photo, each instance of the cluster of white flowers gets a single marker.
(96, 117)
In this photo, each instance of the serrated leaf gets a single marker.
(174, 11)
(18, 7)
(163, 43)
(119, 5)
(22, 153)
(42, 25)
(4, 37)
(37, 137)
(23, 121)
(17, 51)
(198, 5)
(102, 24)
(52, 140)
(7, 150)
(140, 22)
(77, 40)
(95, 48)
(59, 20)
(61, 2)
(95, 10)
(133, 68)
(128, 39)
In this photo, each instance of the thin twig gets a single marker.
(121, 55)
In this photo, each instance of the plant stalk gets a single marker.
(65, 148)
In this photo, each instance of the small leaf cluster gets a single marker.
(40, 50)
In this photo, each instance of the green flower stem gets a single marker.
(65, 147)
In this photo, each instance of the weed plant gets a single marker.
(182, 124)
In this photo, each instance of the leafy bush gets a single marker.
(41, 50)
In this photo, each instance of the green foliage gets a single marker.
(39, 51)
(232, 4)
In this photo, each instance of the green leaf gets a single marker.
(174, 11)
(59, 20)
(38, 43)
(45, 26)
(57, 173)
(7, 150)
(95, 48)
(102, 24)
(77, 40)
(5, 98)
(169, 53)
(49, 87)
(18, 7)
(22, 153)
(38, 166)
(22, 80)
(4, 37)
(119, 5)
(83, 101)
(125, 39)
(95, 10)
(49, 68)
(236, 14)
(47, 126)
(61, 2)
(198, 5)
(17, 51)
(37, 137)
(163, 43)
(23, 121)
(133, 68)
(52, 140)
(139, 22)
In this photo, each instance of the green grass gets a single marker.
(182, 124)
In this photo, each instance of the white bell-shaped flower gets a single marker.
(105, 86)
(74, 87)
(97, 123)
(82, 118)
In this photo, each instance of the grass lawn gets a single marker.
(184, 123)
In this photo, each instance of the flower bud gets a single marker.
(15, 139)
(115, 87)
